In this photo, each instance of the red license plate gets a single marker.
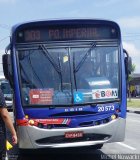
(73, 134)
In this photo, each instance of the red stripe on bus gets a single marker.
(27, 122)
(22, 122)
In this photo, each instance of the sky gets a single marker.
(125, 12)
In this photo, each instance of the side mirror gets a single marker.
(128, 63)
(6, 64)
(7, 68)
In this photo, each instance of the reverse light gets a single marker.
(113, 117)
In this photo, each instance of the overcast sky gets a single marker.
(125, 12)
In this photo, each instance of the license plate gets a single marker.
(73, 134)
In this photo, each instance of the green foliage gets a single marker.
(132, 71)
(133, 68)
(135, 103)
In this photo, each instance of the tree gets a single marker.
(130, 78)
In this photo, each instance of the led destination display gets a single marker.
(55, 33)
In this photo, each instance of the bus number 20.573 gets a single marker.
(106, 108)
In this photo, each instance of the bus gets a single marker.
(69, 83)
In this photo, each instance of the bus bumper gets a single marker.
(29, 136)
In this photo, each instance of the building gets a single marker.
(134, 84)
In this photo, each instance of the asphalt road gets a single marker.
(110, 151)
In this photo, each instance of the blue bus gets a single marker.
(69, 82)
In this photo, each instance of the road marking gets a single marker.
(125, 145)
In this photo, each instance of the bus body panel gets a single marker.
(29, 135)
(123, 87)
(19, 114)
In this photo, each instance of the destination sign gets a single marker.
(66, 33)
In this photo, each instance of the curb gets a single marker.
(130, 111)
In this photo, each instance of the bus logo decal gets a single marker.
(105, 93)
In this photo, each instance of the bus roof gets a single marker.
(45, 30)
(63, 22)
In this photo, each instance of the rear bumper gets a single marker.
(28, 136)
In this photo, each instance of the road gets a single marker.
(108, 151)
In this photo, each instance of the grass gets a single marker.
(135, 103)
